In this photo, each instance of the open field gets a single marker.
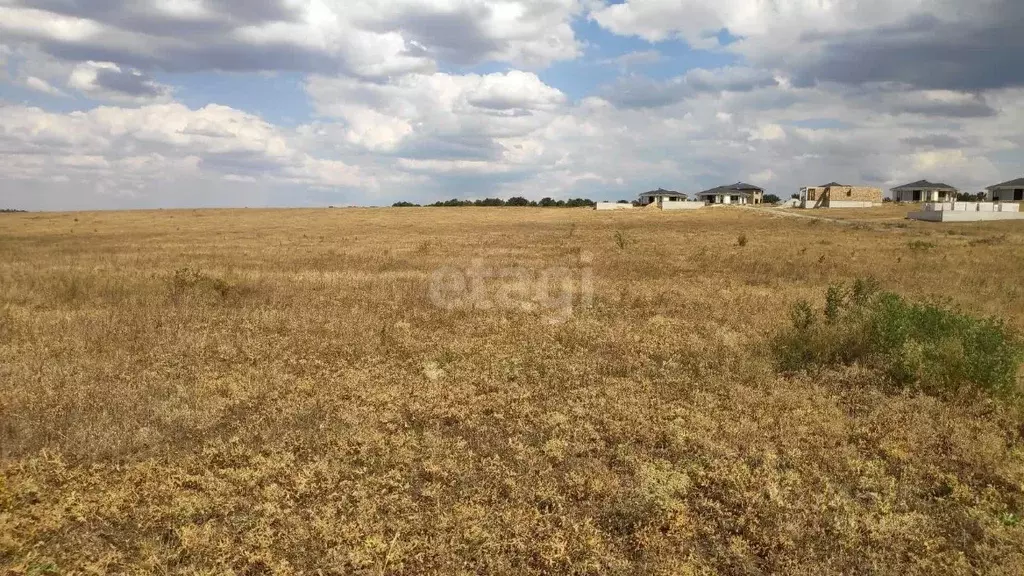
(284, 392)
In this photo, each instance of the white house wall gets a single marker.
(926, 196)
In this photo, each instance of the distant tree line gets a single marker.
(10, 211)
(514, 201)
(968, 197)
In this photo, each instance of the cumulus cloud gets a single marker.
(107, 81)
(449, 114)
(970, 51)
(937, 141)
(40, 85)
(927, 44)
(370, 38)
(127, 148)
(641, 92)
(528, 33)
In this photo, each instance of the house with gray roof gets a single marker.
(660, 197)
(924, 191)
(1010, 191)
(738, 193)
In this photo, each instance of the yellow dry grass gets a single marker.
(274, 392)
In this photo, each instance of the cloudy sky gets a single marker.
(167, 103)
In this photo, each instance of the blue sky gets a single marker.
(366, 102)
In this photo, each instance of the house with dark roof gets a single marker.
(660, 197)
(738, 193)
(1010, 191)
(836, 195)
(924, 191)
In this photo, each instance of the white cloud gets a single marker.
(698, 21)
(513, 90)
(107, 81)
(450, 166)
(524, 32)
(127, 148)
(640, 92)
(40, 85)
(767, 132)
(369, 38)
(635, 58)
(464, 117)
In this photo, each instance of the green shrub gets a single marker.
(802, 315)
(835, 300)
(922, 346)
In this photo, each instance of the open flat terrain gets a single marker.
(334, 392)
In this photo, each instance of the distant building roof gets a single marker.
(831, 184)
(1019, 182)
(740, 187)
(925, 185)
(663, 192)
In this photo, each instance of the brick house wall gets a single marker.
(855, 194)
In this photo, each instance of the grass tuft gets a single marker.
(189, 281)
(620, 240)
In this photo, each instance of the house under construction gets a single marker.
(836, 195)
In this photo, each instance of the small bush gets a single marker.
(926, 347)
(742, 240)
(802, 315)
(863, 290)
(920, 245)
(835, 300)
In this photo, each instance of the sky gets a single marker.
(108, 104)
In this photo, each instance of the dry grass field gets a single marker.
(284, 392)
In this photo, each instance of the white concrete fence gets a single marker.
(612, 206)
(967, 211)
(682, 205)
(971, 207)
